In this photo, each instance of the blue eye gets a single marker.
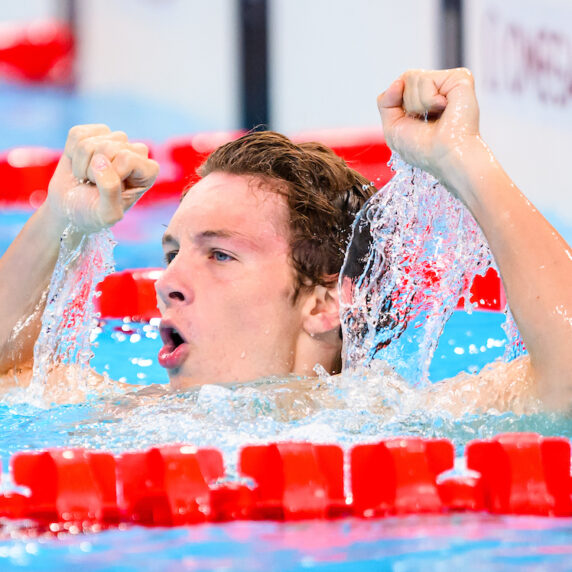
(170, 256)
(220, 256)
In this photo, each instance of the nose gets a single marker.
(171, 287)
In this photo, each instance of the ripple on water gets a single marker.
(232, 416)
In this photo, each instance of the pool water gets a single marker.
(41, 115)
(467, 542)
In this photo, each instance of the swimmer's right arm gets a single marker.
(534, 260)
(98, 178)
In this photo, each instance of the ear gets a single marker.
(321, 312)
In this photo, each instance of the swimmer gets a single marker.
(254, 249)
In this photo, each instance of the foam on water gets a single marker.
(344, 410)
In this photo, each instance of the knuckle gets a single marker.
(85, 130)
(118, 135)
(140, 149)
(108, 147)
(74, 132)
(466, 75)
(84, 147)
(123, 157)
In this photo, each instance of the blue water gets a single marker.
(43, 115)
(440, 543)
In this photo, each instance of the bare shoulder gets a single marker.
(499, 386)
(15, 377)
(64, 383)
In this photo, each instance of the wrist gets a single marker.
(469, 172)
(52, 221)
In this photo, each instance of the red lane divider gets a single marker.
(179, 159)
(68, 485)
(131, 293)
(189, 152)
(168, 485)
(37, 52)
(519, 473)
(487, 292)
(523, 473)
(295, 480)
(399, 476)
(462, 493)
(25, 173)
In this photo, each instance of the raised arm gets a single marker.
(99, 176)
(534, 260)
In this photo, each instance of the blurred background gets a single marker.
(160, 69)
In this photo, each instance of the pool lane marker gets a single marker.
(172, 485)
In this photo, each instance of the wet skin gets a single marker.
(226, 297)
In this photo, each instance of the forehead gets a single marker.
(235, 203)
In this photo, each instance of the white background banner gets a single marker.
(521, 54)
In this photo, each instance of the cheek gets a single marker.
(261, 301)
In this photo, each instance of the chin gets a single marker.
(178, 380)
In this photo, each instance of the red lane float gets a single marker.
(399, 476)
(68, 485)
(37, 52)
(487, 292)
(519, 473)
(295, 480)
(168, 485)
(523, 473)
(25, 173)
(130, 293)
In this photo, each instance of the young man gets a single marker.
(254, 249)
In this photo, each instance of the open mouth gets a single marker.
(175, 347)
(171, 337)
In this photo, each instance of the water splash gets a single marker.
(414, 252)
(514, 345)
(69, 314)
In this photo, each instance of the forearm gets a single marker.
(534, 261)
(25, 272)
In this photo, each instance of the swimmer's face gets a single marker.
(226, 296)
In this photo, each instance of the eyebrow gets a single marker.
(168, 238)
(210, 234)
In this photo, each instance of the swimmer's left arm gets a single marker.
(99, 176)
(534, 260)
